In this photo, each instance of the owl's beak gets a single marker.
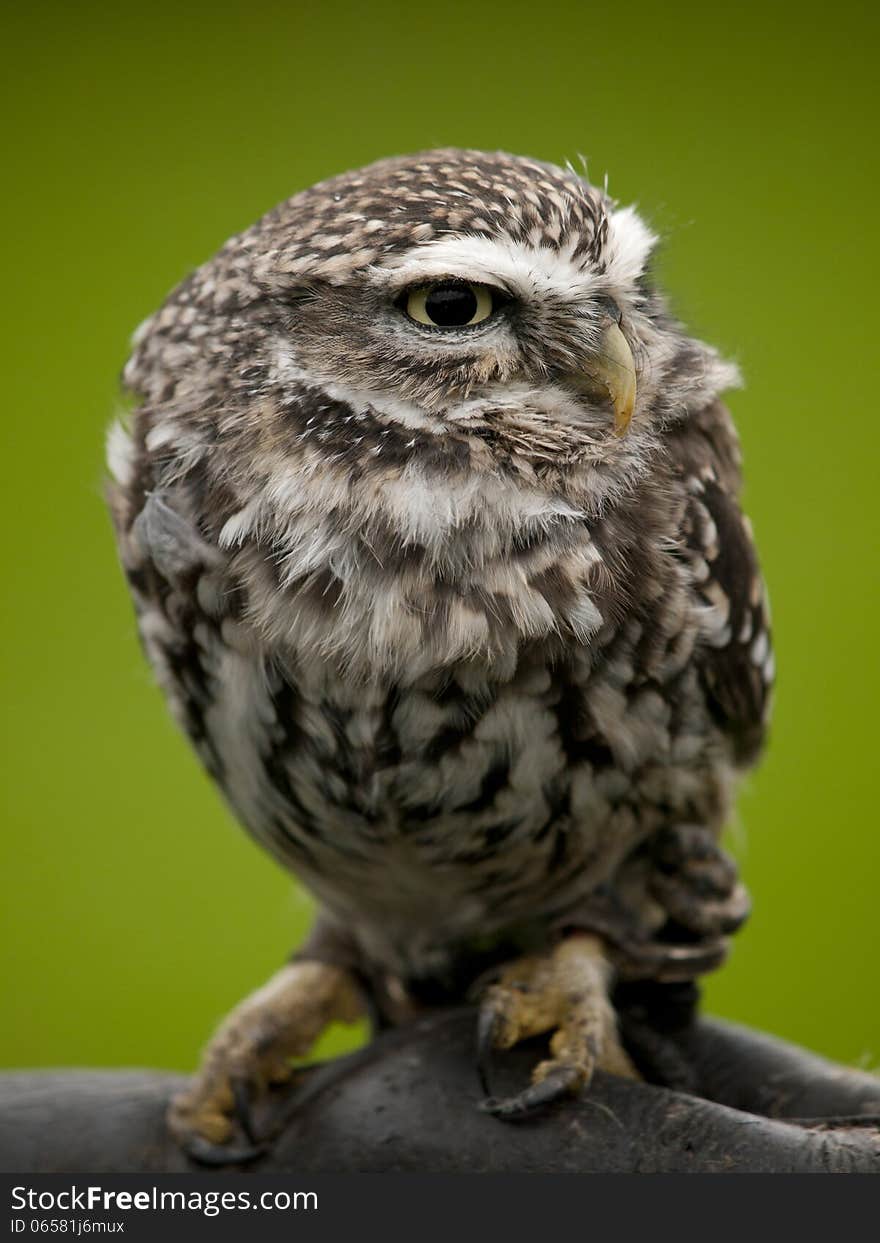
(612, 365)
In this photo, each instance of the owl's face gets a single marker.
(402, 309)
(456, 279)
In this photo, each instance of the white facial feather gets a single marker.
(628, 247)
(528, 270)
(120, 453)
(523, 270)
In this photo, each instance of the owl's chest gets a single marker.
(459, 782)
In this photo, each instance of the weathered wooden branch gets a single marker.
(408, 1103)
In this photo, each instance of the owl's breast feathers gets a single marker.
(443, 740)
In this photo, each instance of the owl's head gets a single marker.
(392, 403)
(476, 311)
(447, 278)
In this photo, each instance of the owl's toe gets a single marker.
(560, 1082)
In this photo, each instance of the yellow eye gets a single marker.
(449, 304)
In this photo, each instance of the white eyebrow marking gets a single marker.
(528, 269)
(520, 268)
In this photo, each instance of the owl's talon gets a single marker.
(564, 1080)
(241, 1094)
(488, 1024)
(205, 1153)
(564, 992)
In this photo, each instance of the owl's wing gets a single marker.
(176, 580)
(735, 658)
(238, 710)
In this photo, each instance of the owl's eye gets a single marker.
(449, 304)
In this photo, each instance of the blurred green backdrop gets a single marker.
(135, 911)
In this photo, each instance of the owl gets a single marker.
(429, 510)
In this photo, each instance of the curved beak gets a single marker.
(613, 367)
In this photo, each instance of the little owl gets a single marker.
(429, 511)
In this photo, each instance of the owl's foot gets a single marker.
(564, 992)
(251, 1051)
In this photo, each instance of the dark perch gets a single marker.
(408, 1103)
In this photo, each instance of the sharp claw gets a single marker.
(206, 1153)
(242, 1098)
(488, 1023)
(557, 1084)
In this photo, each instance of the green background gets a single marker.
(135, 912)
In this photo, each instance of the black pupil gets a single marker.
(450, 305)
